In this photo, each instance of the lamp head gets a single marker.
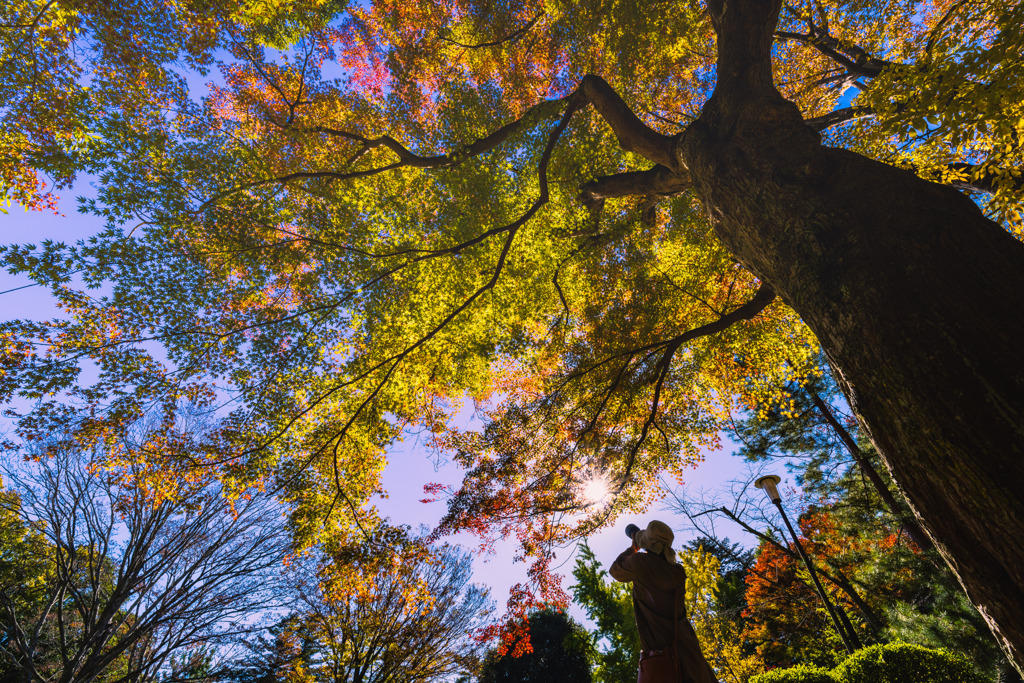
(769, 484)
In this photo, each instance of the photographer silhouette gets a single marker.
(670, 652)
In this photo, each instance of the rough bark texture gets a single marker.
(915, 296)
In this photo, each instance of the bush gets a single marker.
(802, 673)
(904, 663)
(891, 663)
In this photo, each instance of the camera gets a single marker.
(632, 530)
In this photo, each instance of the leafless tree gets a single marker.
(127, 582)
(413, 624)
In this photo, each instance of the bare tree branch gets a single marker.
(913, 530)
(133, 581)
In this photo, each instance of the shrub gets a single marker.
(904, 663)
(802, 673)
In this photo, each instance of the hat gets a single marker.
(657, 538)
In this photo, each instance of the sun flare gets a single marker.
(594, 489)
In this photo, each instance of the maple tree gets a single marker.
(607, 264)
(786, 616)
(76, 76)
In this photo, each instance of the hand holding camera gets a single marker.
(632, 530)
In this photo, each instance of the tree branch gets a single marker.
(987, 181)
(518, 33)
(485, 144)
(834, 118)
(764, 296)
(853, 58)
(656, 180)
(633, 134)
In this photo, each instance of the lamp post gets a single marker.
(769, 484)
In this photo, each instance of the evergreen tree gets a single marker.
(608, 604)
(560, 652)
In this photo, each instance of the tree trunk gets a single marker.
(915, 296)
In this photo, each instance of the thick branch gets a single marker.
(758, 303)
(633, 134)
(484, 144)
(851, 57)
(657, 180)
(764, 296)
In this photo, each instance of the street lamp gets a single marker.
(769, 484)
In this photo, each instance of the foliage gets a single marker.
(335, 338)
(801, 673)
(795, 433)
(711, 603)
(196, 664)
(949, 114)
(786, 617)
(413, 621)
(888, 663)
(24, 565)
(609, 605)
(77, 77)
(379, 219)
(559, 650)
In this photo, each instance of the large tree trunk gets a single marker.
(916, 297)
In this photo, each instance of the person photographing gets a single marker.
(670, 652)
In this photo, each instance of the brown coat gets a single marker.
(655, 582)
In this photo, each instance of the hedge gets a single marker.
(889, 663)
(801, 673)
(904, 663)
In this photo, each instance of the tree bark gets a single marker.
(915, 296)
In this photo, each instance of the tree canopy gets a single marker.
(607, 226)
